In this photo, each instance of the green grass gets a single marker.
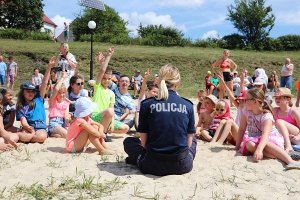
(192, 62)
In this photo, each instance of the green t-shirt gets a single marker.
(214, 80)
(103, 97)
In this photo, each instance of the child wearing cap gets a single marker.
(287, 118)
(206, 117)
(83, 129)
(31, 110)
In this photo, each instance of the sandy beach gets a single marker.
(44, 171)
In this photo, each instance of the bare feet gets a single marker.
(107, 152)
(5, 147)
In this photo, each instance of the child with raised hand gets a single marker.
(7, 139)
(222, 126)
(206, 117)
(238, 102)
(31, 110)
(59, 115)
(105, 98)
(84, 129)
(262, 139)
(152, 91)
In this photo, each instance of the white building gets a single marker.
(48, 26)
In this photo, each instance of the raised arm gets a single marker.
(57, 87)
(103, 63)
(43, 87)
(229, 92)
(144, 84)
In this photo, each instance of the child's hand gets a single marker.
(52, 61)
(100, 58)
(110, 51)
(258, 155)
(147, 73)
(28, 129)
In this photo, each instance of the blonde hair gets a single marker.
(169, 76)
(259, 95)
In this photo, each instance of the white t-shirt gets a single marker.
(64, 65)
(254, 122)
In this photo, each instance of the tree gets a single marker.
(252, 19)
(157, 35)
(109, 25)
(21, 14)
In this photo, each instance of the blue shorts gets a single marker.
(54, 122)
(38, 125)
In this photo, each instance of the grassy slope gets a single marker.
(192, 62)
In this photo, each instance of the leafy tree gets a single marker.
(157, 35)
(21, 14)
(233, 41)
(109, 25)
(252, 19)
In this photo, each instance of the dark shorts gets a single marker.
(211, 132)
(227, 76)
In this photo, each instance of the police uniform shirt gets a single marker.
(167, 123)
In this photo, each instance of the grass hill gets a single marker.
(192, 62)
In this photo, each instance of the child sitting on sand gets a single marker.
(84, 129)
(222, 124)
(262, 139)
(59, 115)
(7, 139)
(206, 117)
(200, 106)
(31, 110)
(152, 91)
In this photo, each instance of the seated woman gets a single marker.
(167, 126)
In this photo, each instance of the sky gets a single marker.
(197, 19)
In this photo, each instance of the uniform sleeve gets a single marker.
(143, 119)
(191, 125)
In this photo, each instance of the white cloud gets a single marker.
(183, 3)
(59, 21)
(135, 19)
(211, 34)
(290, 18)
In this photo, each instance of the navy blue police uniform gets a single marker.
(167, 124)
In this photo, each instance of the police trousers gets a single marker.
(158, 164)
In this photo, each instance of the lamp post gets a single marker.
(92, 26)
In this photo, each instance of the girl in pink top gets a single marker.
(257, 134)
(287, 118)
(84, 129)
(59, 110)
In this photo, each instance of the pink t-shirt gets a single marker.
(74, 130)
(58, 109)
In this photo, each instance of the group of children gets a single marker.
(255, 130)
(258, 129)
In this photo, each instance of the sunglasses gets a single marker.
(220, 109)
(79, 84)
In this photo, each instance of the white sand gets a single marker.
(219, 173)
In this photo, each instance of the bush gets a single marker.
(210, 42)
(272, 44)
(19, 34)
(290, 42)
(233, 41)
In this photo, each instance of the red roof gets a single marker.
(48, 21)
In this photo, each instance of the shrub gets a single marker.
(19, 34)
(290, 42)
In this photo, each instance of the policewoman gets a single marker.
(167, 126)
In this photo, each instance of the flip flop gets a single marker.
(294, 155)
(295, 165)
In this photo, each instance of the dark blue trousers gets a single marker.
(149, 164)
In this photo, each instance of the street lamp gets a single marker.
(92, 26)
